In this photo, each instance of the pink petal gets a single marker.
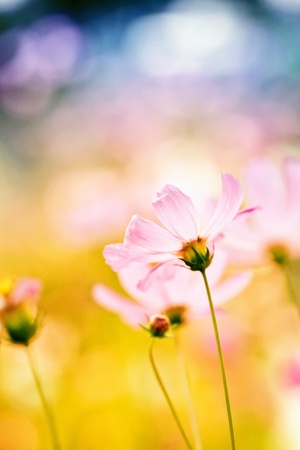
(130, 312)
(117, 256)
(226, 209)
(145, 283)
(120, 256)
(185, 288)
(150, 236)
(291, 171)
(164, 285)
(154, 297)
(177, 213)
(231, 287)
(217, 268)
(266, 189)
(245, 212)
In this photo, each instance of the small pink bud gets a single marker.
(159, 324)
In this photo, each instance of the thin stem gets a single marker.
(221, 359)
(48, 412)
(166, 395)
(290, 286)
(187, 390)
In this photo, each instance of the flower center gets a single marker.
(176, 314)
(196, 255)
(279, 254)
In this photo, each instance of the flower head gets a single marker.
(174, 292)
(18, 308)
(273, 232)
(181, 236)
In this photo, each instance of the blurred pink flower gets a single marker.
(181, 238)
(20, 292)
(290, 372)
(176, 292)
(273, 232)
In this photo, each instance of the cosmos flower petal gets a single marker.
(231, 287)
(226, 209)
(153, 298)
(265, 188)
(120, 256)
(177, 213)
(150, 236)
(217, 268)
(117, 256)
(132, 313)
(147, 281)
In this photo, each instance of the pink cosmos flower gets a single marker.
(273, 232)
(182, 238)
(176, 292)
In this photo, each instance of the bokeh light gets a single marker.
(101, 104)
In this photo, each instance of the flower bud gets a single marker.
(21, 325)
(159, 324)
(19, 308)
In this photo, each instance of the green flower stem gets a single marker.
(221, 359)
(290, 286)
(166, 395)
(187, 390)
(48, 412)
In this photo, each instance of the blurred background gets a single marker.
(101, 104)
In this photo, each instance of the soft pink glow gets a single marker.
(172, 286)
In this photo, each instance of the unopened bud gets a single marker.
(21, 325)
(159, 324)
(19, 308)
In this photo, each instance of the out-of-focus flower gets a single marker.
(273, 232)
(19, 308)
(181, 239)
(290, 372)
(176, 292)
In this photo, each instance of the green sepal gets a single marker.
(20, 327)
(199, 262)
(156, 334)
